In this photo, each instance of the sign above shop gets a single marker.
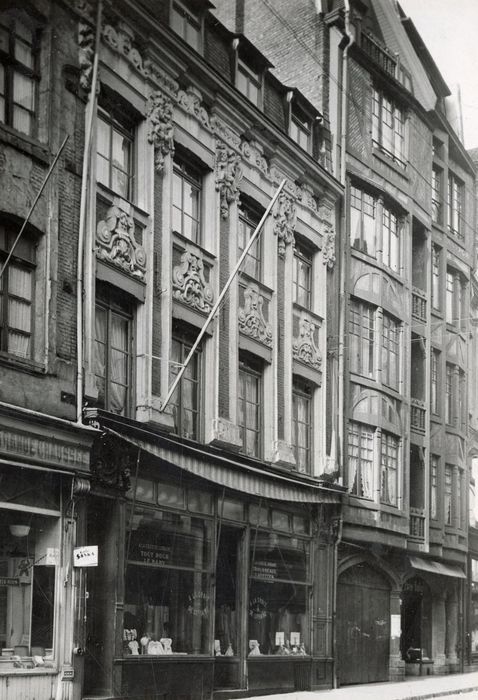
(9, 581)
(85, 556)
(40, 448)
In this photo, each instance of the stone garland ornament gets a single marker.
(304, 348)
(228, 176)
(285, 219)
(251, 318)
(191, 101)
(189, 283)
(161, 129)
(117, 245)
(121, 40)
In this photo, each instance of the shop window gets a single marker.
(249, 403)
(168, 596)
(115, 153)
(227, 617)
(388, 127)
(171, 495)
(362, 338)
(302, 394)
(113, 358)
(19, 76)
(17, 286)
(434, 382)
(363, 221)
(437, 197)
(302, 276)
(249, 217)
(186, 211)
(361, 459)
(258, 516)
(249, 82)
(300, 129)
(474, 607)
(185, 402)
(278, 595)
(200, 502)
(186, 23)
(436, 277)
(455, 207)
(390, 351)
(231, 510)
(27, 587)
(389, 469)
(434, 463)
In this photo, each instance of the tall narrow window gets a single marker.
(362, 221)
(113, 356)
(249, 217)
(449, 394)
(389, 469)
(434, 487)
(114, 161)
(186, 23)
(302, 281)
(450, 296)
(16, 295)
(455, 206)
(185, 401)
(388, 127)
(360, 459)
(455, 298)
(434, 379)
(249, 407)
(302, 424)
(448, 500)
(18, 73)
(436, 286)
(462, 403)
(437, 174)
(390, 240)
(300, 128)
(248, 81)
(390, 351)
(362, 338)
(187, 184)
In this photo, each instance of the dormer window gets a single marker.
(186, 23)
(300, 129)
(249, 82)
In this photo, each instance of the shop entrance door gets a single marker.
(415, 620)
(363, 626)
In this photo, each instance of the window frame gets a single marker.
(362, 317)
(302, 390)
(437, 195)
(435, 381)
(252, 77)
(191, 175)
(389, 466)
(186, 342)
(448, 492)
(249, 217)
(390, 350)
(449, 394)
(455, 206)
(301, 125)
(361, 430)
(189, 20)
(252, 368)
(367, 200)
(302, 256)
(397, 117)
(434, 472)
(436, 278)
(126, 132)
(391, 239)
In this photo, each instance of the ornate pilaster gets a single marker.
(285, 219)
(228, 176)
(189, 283)
(116, 243)
(328, 233)
(161, 131)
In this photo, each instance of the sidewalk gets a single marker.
(413, 689)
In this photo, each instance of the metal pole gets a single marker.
(221, 296)
(47, 177)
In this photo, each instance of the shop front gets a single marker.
(216, 590)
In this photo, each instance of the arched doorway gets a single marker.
(363, 625)
(415, 601)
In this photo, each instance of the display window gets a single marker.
(474, 607)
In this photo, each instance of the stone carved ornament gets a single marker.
(285, 218)
(327, 230)
(304, 348)
(112, 463)
(161, 129)
(189, 283)
(121, 39)
(228, 176)
(86, 52)
(191, 101)
(116, 243)
(251, 318)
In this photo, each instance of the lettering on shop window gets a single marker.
(258, 608)
(265, 570)
(158, 554)
(198, 604)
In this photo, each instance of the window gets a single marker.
(114, 160)
(362, 221)
(462, 402)
(300, 128)
(302, 276)
(249, 82)
(436, 286)
(434, 487)
(455, 298)
(389, 469)
(360, 455)
(390, 351)
(185, 402)
(18, 74)
(449, 394)
(302, 424)
(437, 176)
(112, 354)
(448, 494)
(388, 127)
(248, 407)
(362, 338)
(390, 240)
(187, 24)
(455, 206)
(434, 382)
(187, 183)
(16, 295)
(249, 218)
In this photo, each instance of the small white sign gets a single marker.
(52, 556)
(280, 639)
(395, 626)
(85, 556)
(295, 639)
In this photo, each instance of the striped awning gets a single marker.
(436, 567)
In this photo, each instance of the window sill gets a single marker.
(184, 241)
(165, 658)
(25, 144)
(17, 363)
(37, 671)
(438, 226)
(389, 162)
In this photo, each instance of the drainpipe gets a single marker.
(90, 112)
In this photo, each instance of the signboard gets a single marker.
(52, 557)
(150, 553)
(395, 626)
(9, 581)
(264, 570)
(85, 556)
(43, 449)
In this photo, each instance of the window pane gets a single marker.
(22, 120)
(23, 91)
(4, 38)
(121, 146)
(103, 135)
(23, 53)
(20, 282)
(120, 182)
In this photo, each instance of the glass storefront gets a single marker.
(474, 607)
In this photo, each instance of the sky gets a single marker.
(449, 29)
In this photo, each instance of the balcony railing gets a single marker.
(379, 54)
(417, 523)
(419, 305)
(418, 415)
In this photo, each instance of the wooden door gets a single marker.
(363, 626)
